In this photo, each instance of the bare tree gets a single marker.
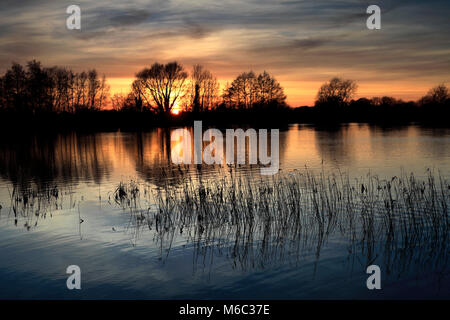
(242, 91)
(165, 84)
(63, 90)
(81, 90)
(15, 84)
(437, 95)
(141, 97)
(269, 90)
(336, 92)
(248, 91)
(120, 101)
(103, 93)
(97, 90)
(204, 88)
(38, 89)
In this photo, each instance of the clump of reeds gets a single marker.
(128, 196)
(126, 193)
(258, 221)
(33, 202)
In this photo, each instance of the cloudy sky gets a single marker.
(303, 43)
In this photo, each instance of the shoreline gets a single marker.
(111, 120)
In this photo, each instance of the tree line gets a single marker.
(38, 89)
(340, 92)
(163, 88)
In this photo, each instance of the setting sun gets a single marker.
(176, 109)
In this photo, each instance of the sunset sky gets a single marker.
(302, 43)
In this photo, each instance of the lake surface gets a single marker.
(60, 207)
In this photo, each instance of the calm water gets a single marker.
(74, 176)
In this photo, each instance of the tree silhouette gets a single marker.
(269, 91)
(203, 91)
(164, 84)
(437, 95)
(337, 92)
(33, 90)
(15, 85)
(241, 92)
(37, 89)
(248, 91)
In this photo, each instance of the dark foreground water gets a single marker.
(60, 207)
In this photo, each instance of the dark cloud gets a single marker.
(129, 17)
(196, 30)
(105, 18)
(309, 43)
